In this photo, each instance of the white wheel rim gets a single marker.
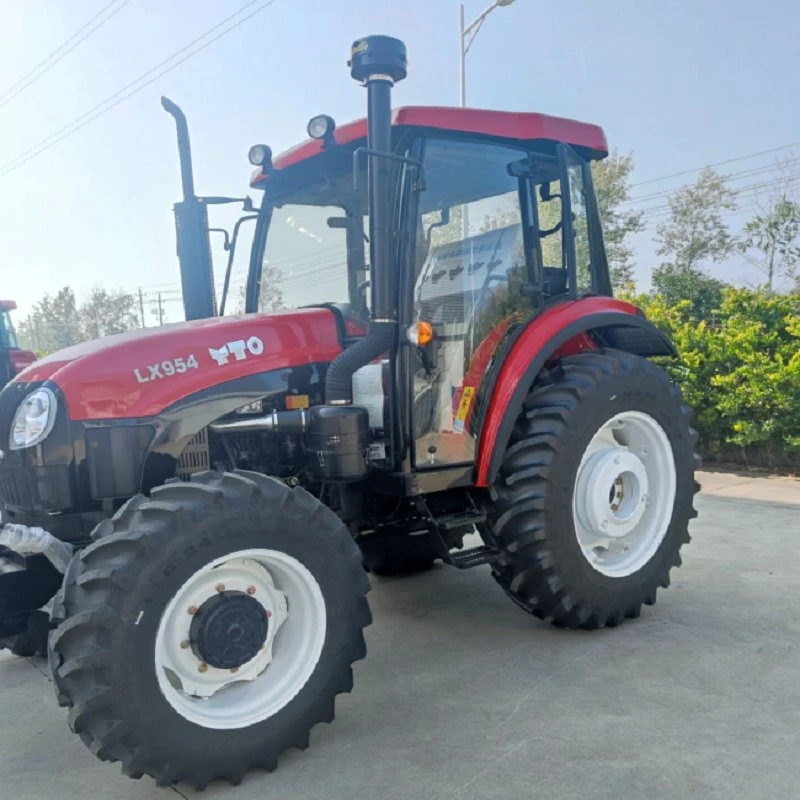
(258, 689)
(624, 494)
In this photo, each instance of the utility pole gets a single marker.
(141, 306)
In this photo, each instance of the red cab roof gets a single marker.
(505, 124)
(7, 305)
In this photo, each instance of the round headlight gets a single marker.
(259, 155)
(321, 127)
(34, 419)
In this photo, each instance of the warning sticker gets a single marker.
(463, 408)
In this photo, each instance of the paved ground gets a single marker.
(464, 696)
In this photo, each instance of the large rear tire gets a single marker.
(594, 496)
(209, 628)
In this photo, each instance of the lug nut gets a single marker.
(185, 644)
(234, 669)
(220, 587)
(604, 524)
(203, 668)
(251, 590)
(269, 614)
(192, 610)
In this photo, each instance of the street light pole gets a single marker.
(463, 48)
(464, 45)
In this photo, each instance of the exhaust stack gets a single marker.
(191, 229)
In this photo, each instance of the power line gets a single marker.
(716, 164)
(733, 176)
(787, 182)
(63, 50)
(132, 88)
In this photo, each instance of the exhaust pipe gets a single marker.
(378, 62)
(191, 230)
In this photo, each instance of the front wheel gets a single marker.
(595, 492)
(209, 628)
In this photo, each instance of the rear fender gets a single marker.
(561, 330)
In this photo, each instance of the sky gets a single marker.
(677, 83)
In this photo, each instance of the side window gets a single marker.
(580, 222)
(551, 202)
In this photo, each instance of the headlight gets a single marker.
(34, 419)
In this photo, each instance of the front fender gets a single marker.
(611, 323)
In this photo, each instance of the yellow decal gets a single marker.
(297, 401)
(463, 408)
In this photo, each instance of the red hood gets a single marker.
(140, 373)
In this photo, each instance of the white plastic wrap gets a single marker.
(34, 541)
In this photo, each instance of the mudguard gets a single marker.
(559, 330)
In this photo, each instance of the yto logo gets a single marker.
(239, 350)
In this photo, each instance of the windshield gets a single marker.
(8, 336)
(316, 242)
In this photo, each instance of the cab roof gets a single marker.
(523, 126)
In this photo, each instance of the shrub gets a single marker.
(740, 372)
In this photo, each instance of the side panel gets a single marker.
(613, 323)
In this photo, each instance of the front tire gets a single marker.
(594, 495)
(209, 628)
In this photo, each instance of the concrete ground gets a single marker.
(465, 696)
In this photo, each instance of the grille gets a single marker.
(195, 456)
(34, 487)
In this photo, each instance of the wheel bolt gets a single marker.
(251, 590)
(203, 668)
(185, 644)
(234, 669)
(604, 524)
(269, 614)
(616, 459)
(192, 610)
(645, 499)
(220, 587)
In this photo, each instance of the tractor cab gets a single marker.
(490, 218)
(13, 358)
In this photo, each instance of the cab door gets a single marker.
(474, 256)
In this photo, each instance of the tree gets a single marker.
(696, 231)
(59, 320)
(270, 294)
(102, 313)
(611, 178)
(675, 284)
(54, 322)
(771, 239)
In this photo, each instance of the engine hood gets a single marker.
(142, 372)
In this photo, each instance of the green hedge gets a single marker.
(740, 372)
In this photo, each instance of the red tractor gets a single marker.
(216, 491)
(13, 358)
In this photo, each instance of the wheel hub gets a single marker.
(624, 494)
(228, 630)
(615, 487)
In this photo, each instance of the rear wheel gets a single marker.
(209, 628)
(594, 495)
